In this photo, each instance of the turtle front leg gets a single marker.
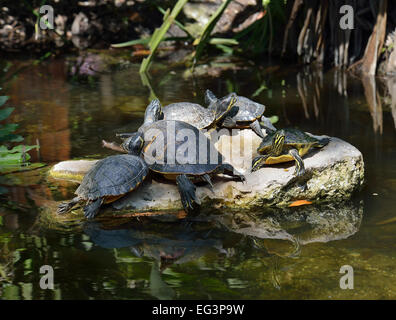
(187, 192)
(65, 207)
(300, 168)
(259, 162)
(92, 209)
(255, 126)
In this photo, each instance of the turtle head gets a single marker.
(153, 112)
(278, 142)
(221, 107)
(134, 143)
(209, 97)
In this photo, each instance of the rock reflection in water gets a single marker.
(298, 226)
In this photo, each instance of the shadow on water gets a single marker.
(68, 107)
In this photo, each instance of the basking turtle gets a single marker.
(286, 145)
(248, 116)
(178, 151)
(198, 116)
(110, 179)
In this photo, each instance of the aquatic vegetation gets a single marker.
(16, 158)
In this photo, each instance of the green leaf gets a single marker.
(224, 41)
(5, 113)
(159, 34)
(20, 148)
(259, 90)
(7, 129)
(131, 43)
(274, 119)
(204, 37)
(225, 49)
(3, 100)
(11, 138)
(13, 159)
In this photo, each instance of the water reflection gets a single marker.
(258, 251)
(298, 226)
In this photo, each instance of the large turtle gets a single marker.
(286, 145)
(110, 179)
(178, 151)
(248, 115)
(197, 115)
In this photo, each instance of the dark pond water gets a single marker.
(300, 258)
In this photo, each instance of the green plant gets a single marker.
(16, 158)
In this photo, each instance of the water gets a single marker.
(299, 258)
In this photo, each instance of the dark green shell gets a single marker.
(113, 176)
(293, 137)
(249, 110)
(201, 155)
(191, 113)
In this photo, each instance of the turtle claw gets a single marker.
(187, 193)
(63, 208)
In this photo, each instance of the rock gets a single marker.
(236, 13)
(72, 170)
(333, 173)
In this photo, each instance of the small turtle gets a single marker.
(198, 116)
(248, 116)
(110, 179)
(286, 145)
(178, 151)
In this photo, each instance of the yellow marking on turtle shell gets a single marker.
(149, 144)
(279, 159)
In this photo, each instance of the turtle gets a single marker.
(110, 179)
(286, 145)
(165, 153)
(248, 115)
(197, 115)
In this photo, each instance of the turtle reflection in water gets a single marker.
(168, 163)
(110, 179)
(286, 145)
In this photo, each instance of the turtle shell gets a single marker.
(176, 147)
(293, 137)
(249, 110)
(113, 176)
(192, 113)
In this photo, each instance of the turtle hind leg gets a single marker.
(228, 122)
(65, 207)
(92, 209)
(207, 179)
(267, 125)
(300, 168)
(255, 126)
(228, 169)
(187, 193)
